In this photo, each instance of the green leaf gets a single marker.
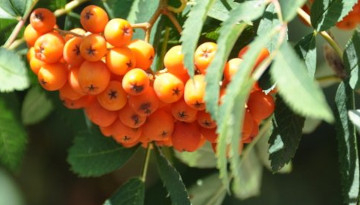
(267, 23)
(6, 27)
(286, 135)
(289, 8)
(354, 116)
(52, 5)
(13, 137)
(347, 144)
(132, 192)
(306, 49)
(250, 171)
(9, 190)
(220, 9)
(120, 9)
(172, 180)
(296, 87)
(13, 73)
(352, 60)
(201, 158)
(208, 191)
(231, 112)
(94, 155)
(36, 106)
(11, 9)
(326, 13)
(229, 33)
(192, 31)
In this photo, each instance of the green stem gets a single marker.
(146, 163)
(68, 7)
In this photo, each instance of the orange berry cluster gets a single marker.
(101, 69)
(349, 22)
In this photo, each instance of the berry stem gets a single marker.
(179, 9)
(305, 16)
(63, 33)
(19, 26)
(68, 7)
(173, 20)
(146, 163)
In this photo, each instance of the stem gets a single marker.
(164, 47)
(143, 26)
(63, 33)
(173, 20)
(179, 9)
(152, 20)
(19, 26)
(146, 163)
(265, 128)
(328, 78)
(305, 16)
(278, 10)
(68, 7)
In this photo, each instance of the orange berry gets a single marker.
(167, 142)
(99, 115)
(231, 68)
(144, 104)
(144, 53)
(113, 97)
(74, 80)
(94, 19)
(136, 81)
(204, 119)
(120, 60)
(195, 91)
(168, 87)
(79, 103)
(78, 31)
(42, 20)
(31, 35)
(35, 63)
(247, 127)
(118, 32)
(209, 134)
(186, 136)
(93, 47)
(52, 76)
(71, 52)
(49, 47)
(68, 92)
(182, 112)
(260, 105)
(264, 53)
(204, 54)
(106, 131)
(130, 118)
(93, 77)
(174, 61)
(123, 134)
(159, 125)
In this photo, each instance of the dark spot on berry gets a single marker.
(129, 64)
(164, 133)
(88, 15)
(146, 108)
(112, 94)
(182, 114)
(43, 82)
(176, 91)
(151, 58)
(198, 104)
(39, 16)
(91, 51)
(126, 30)
(126, 138)
(205, 53)
(91, 88)
(137, 88)
(207, 123)
(136, 119)
(76, 50)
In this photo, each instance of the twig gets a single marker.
(179, 9)
(146, 163)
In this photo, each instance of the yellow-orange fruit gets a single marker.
(204, 54)
(99, 115)
(71, 53)
(52, 76)
(49, 47)
(130, 118)
(174, 61)
(136, 81)
(168, 87)
(186, 136)
(93, 77)
(144, 104)
(182, 112)
(31, 35)
(113, 97)
(120, 60)
(94, 19)
(42, 20)
(93, 47)
(118, 32)
(124, 134)
(159, 125)
(195, 91)
(144, 53)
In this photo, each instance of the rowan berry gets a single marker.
(130, 118)
(78, 31)
(31, 35)
(113, 97)
(186, 136)
(118, 32)
(195, 91)
(144, 53)
(93, 47)
(124, 135)
(67, 92)
(35, 63)
(204, 119)
(182, 112)
(174, 61)
(49, 47)
(136, 81)
(260, 105)
(159, 125)
(52, 76)
(93, 77)
(82, 102)
(94, 19)
(99, 115)
(231, 68)
(204, 54)
(42, 20)
(168, 87)
(146, 103)
(209, 134)
(120, 60)
(71, 52)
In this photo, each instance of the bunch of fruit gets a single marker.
(101, 69)
(349, 22)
